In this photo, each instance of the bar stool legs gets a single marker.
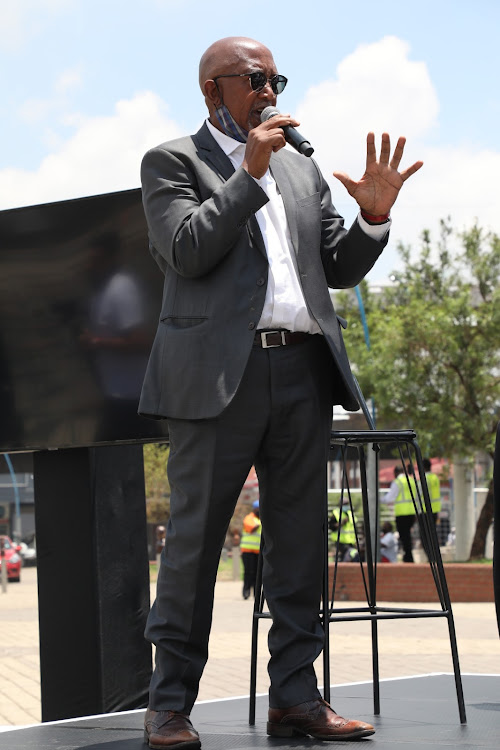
(407, 446)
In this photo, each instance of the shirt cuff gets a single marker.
(376, 231)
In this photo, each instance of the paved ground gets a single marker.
(406, 647)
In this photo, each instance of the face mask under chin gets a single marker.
(229, 125)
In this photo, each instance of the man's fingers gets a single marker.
(385, 152)
(398, 152)
(373, 167)
(371, 153)
(279, 121)
(266, 136)
(411, 170)
(346, 181)
(385, 149)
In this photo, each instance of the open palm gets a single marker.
(377, 190)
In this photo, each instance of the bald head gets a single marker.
(233, 59)
(223, 55)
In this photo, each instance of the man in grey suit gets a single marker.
(246, 365)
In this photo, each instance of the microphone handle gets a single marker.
(298, 141)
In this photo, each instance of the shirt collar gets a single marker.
(227, 144)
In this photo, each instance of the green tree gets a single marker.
(434, 359)
(156, 482)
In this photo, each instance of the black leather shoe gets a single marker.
(171, 730)
(317, 719)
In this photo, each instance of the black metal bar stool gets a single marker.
(408, 449)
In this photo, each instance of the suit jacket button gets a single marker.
(251, 326)
(261, 281)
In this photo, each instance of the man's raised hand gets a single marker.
(377, 190)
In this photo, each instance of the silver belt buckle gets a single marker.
(263, 339)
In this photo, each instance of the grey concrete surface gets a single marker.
(406, 647)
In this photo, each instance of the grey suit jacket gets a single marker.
(205, 238)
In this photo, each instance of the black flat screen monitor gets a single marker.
(80, 297)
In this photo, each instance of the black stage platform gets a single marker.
(416, 713)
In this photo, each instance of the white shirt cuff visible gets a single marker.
(376, 231)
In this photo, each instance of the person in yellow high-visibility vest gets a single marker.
(400, 493)
(347, 536)
(250, 547)
(434, 487)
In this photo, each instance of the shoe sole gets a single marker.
(281, 730)
(192, 745)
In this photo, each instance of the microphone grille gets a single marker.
(267, 113)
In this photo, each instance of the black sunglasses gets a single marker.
(258, 80)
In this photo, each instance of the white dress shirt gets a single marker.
(284, 306)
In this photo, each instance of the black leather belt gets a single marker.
(269, 339)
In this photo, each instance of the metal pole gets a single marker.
(4, 567)
(372, 485)
(363, 316)
(236, 563)
(464, 507)
(17, 523)
(371, 463)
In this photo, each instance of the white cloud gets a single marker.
(378, 87)
(68, 80)
(36, 109)
(103, 155)
(23, 19)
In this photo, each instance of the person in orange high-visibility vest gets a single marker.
(250, 547)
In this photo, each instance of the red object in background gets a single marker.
(11, 557)
(251, 480)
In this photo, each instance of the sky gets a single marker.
(89, 85)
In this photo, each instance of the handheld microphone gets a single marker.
(292, 136)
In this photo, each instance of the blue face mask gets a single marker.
(229, 124)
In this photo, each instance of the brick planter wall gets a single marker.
(406, 582)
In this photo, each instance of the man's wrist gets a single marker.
(371, 219)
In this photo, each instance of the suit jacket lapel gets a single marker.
(210, 152)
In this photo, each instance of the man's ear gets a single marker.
(211, 92)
